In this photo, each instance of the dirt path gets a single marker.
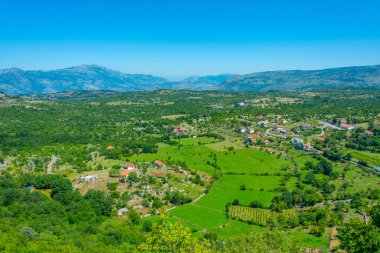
(53, 160)
(195, 200)
(334, 241)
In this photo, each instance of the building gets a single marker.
(88, 179)
(241, 130)
(297, 143)
(251, 130)
(263, 123)
(248, 137)
(283, 131)
(306, 146)
(129, 166)
(179, 130)
(278, 117)
(125, 174)
(266, 142)
(259, 117)
(306, 126)
(347, 126)
(110, 148)
(279, 127)
(159, 163)
(319, 138)
(368, 133)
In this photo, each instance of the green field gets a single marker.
(251, 161)
(372, 158)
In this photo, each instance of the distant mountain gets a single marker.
(92, 77)
(299, 80)
(216, 79)
(84, 77)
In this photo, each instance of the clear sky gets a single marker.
(176, 38)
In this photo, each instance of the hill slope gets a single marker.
(297, 80)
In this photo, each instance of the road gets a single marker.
(326, 124)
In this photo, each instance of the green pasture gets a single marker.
(372, 158)
(251, 161)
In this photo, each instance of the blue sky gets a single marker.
(176, 38)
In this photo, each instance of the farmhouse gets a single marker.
(90, 178)
(251, 130)
(368, 133)
(129, 166)
(249, 137)
(347, 126)
(159, 163)
(266, 142)
(126, 173)
(259, 117)
(307, 147)
(319, 138)
(110, 148)
(179, 130)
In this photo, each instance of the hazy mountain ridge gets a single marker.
(15, 81)
(84, 77)
(211, 79)
(298, 80)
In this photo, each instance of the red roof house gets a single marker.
(158, 163)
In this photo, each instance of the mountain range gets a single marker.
(15, 81)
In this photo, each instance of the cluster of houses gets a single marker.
(128, 168)
(246, 130)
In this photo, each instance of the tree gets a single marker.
(324, 167)
(100, 203)
(173, 237)
(356, 237)
(114, 172)
(134, 216)
(255, 204)
(375, 215)
(133, 178)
